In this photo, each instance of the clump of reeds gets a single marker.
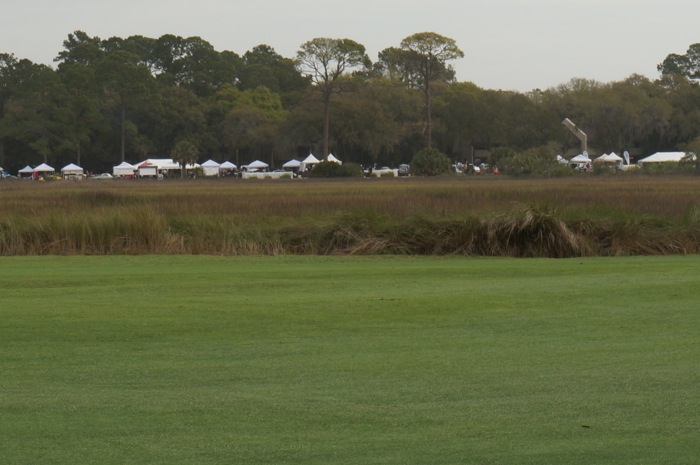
(529, 232)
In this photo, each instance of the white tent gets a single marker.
(211, 168)
(609, 158)
(166, 164)
(72, 171)
(311, 160)
(26, 171)
(613, 158)
(44, 168)
(332, 158)
(123, 169)
(257, 165)
(227, 165)
(292, 164)
(307, 162)
(663, 157)
(582, 158)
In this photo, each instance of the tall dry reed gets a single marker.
(470, 216)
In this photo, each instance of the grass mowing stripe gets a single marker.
(348, 360)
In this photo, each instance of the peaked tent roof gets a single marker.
(311, 160)
(72, 167)
(660, 157)
(257, 164)
(165, 164)
(580, 159)
(293, 163)
(332, 158)
(613, 157)
(126, 166)
(227, 165)
(27, 169)
(44, 168)
(210, 164)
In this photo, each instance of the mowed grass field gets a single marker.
(349, 360)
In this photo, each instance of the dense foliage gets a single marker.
(109, 100)
(329, 169)
(430, 162)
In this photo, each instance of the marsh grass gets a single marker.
(608, 216)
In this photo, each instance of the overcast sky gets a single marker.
(508, 44)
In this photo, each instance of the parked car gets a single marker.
(102, 176)
(7, 175)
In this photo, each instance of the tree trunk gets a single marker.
(123, 131)
(429, 116)
(326, 125)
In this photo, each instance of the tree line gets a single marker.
(127, 99)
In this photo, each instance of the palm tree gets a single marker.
(185, 153)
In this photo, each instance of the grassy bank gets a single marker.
(324, 360)
(472, 216)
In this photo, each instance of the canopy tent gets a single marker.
(256, 165)
(44, 168)
(582, 158)
(311, 160)
(26, 171)
(72, 171)
(166, 164)
(211, 168)
(123, 169)
(608, 158)
(663, 157)
(227, 166)
(308, 162)
(293, 163)
(332, 158)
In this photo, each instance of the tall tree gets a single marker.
(185, 153)
(126, 81)
(325, 61)
(687, 65)
(420, 61)
(82, 106)
(263, 66)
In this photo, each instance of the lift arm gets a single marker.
(577, 132)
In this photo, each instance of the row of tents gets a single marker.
(154, 166)
(613, 158)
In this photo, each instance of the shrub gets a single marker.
(329, 169)
(430, 162)
(537, 162)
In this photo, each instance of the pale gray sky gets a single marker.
(508, 44)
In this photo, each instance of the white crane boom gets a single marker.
(577, 132)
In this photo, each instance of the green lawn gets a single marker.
(381, 360)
